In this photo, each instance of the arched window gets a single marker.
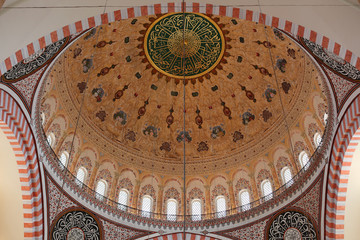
(220, 207)
(304, 159)
(317, 139)
(101, 188)
(146, 206)
(51, 139)
(171, 209)
(80, 176)
(196, 210)
(42, 118)
(267, 190)
(244, 199)
(286, 176)
(123, 199)
(326, 118)
(64, 157)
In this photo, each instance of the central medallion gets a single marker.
(184, 45)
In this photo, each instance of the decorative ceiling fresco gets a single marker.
(232, 90)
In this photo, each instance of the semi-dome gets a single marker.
(222, 101)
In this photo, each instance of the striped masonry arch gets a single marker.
(17, 130)
(346, 140)
(285, 25)
(179, 236)
(105, 18)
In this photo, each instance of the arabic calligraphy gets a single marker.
(184, 45)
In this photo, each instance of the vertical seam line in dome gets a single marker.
(75, 130)
(278, 88)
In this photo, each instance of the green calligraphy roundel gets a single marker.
(184, 45)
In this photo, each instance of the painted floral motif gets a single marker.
(184, 136)
(254, 231)
(247, 117)
(322, 108)
(81, 86)
(266, 115)
(217, 131)
(56, 130)
(242, 184)
(112, 231)
(291, 53)
(278, 34)
(171, 193)
(219, 190)
(46, 110)
(130, 135)
(165, 146)
(195, 193)
(85, 162)
(262, 175)
(120, 117)
(54, 194)
(127, 184)
(87, 64)
(151, 131)
(202, 147)
(280, 64)
(105, 175)
(237, 135)
(98, 93)
(286, 87)
(299, 147)
(147, 190)
(270, 94)
(312, 129)
(281, 163)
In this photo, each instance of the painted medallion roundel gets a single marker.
(76, 225)
(184, 45)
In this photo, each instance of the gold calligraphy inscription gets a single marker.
(184, 45)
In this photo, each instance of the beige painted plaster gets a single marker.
(11, 210)
(352, 207)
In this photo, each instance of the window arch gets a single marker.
(286, 176)
(220, 206)
(64, 159)
(146, 206)
(266, 189)
(317, 139)
(123, 199)
(42, 118)
(244, 199)
(80, 176)
(196, 210)
(171, 209)
(100, 189)
(51, 139)
(326, 118)
(304, 159)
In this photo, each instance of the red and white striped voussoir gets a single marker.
(105, 18)
(17, 130)
(179, 236)
(346, 140)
